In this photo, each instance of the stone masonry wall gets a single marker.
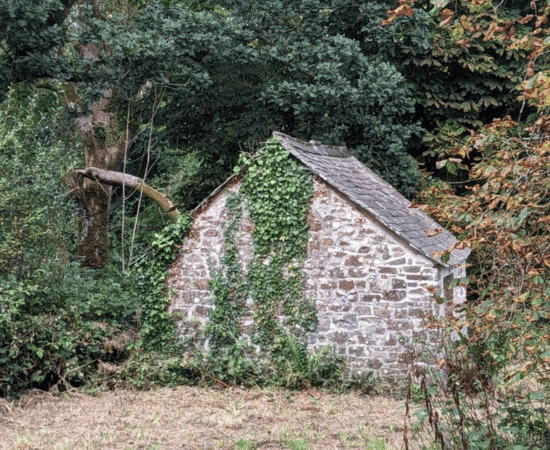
(189, 275)
(368, 285)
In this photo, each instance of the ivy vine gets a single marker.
(278, 190)
(275, 192)
(158, 330)
(228, 285)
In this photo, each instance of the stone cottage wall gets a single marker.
(189, 275)
(368, 286)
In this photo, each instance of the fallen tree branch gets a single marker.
(118, 179)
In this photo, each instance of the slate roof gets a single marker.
(362, 186)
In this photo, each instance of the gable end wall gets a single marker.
(367, 285)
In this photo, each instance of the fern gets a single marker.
(298, 367)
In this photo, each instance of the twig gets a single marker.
(144, 175)
(467, 181)
(124, 187)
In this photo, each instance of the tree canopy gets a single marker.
(207, 80)
(33, 42)
(232, 72)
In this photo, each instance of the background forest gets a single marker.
(118, 116)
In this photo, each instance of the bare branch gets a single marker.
(118, 179)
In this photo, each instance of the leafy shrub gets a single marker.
(55, 329)
(146, 369)
(296, 367)
(365, 383)
(495, 384)
(57, 320)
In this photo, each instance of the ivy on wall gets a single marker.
(228, 285)
(278, 191)
(157, 329)
(269, 294)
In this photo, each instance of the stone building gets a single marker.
(371, 265)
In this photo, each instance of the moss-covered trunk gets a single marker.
(103, 148)
(93, 250)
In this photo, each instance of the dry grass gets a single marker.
(200, 418)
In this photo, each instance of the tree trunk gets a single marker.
(93, 250)
(103, 149)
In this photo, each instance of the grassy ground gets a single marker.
(199, 418)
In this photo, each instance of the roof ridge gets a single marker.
(314, 147)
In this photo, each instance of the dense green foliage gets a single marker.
(465, 77)
(36, 156)
(460, 60)
(32, 41)
(55, 319)
(278, 191)
(58, 321)
(157, 329)
(224, 80)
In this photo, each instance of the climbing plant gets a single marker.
(269, 293)
(157, 329)
(278, 191)
(228, 287)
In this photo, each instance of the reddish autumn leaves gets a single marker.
(505, 219)
(402, 10)
(504, 212)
